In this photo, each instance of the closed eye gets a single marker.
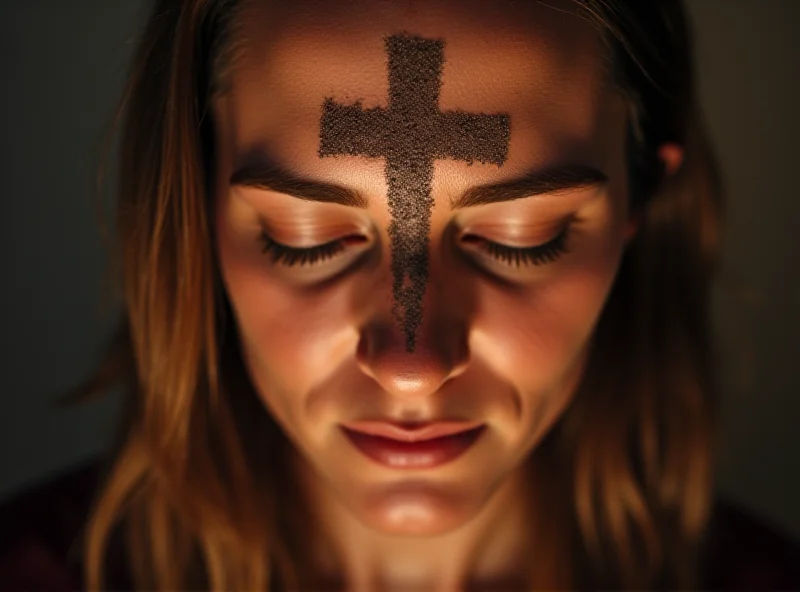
(505, 254)
(291, 256)
(523, 256)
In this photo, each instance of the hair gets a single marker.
(196, 491)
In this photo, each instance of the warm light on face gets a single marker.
(339, 175)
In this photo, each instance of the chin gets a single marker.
(416, 510)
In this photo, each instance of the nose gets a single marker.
(440, 354)
(440, 351)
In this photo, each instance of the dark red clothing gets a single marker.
(39, 530)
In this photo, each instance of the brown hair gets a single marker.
(187, 492)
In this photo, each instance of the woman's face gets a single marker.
(498, 344)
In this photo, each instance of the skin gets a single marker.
(499, 344)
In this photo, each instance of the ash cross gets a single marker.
(410, 134)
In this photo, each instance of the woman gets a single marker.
(415, 297)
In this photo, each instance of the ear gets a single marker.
(671, 155)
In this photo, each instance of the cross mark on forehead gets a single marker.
(411, 133)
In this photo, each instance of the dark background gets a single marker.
(63, 64)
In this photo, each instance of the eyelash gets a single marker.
(537, 255)
(291, 255)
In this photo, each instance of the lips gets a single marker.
(424, 447)
(425, 432)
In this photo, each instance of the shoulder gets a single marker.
(41, 528)
(743, 552)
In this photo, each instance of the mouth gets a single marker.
(427, 447)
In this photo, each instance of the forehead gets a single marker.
(539, 63)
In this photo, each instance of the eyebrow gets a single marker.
(550, 180)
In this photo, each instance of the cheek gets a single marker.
(289, 337)
(537, 337)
